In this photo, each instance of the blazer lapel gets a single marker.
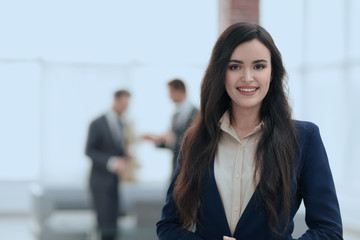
(246, 222)
(252, 218)
(214, 202)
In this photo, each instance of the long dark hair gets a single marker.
(275, 155)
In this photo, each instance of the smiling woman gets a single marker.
(248, 76)
(245, 164)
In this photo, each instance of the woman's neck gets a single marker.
(244, 121)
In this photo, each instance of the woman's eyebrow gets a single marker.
(260, 60)
(241, 62)
(236, 61)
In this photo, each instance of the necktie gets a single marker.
(120, 133)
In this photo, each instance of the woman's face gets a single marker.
(248, 75)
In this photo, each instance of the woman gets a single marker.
(245, 165)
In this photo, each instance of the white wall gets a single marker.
(20, 119)
(61, 61)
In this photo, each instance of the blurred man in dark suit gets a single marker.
(106, 148)
(181, 120)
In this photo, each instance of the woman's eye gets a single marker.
(234, 67)
(258, 67)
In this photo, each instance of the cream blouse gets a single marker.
(234, 169)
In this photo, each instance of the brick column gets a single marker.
(232, 11)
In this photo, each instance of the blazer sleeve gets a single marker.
(169, 226)
(93, 149)
(318, 191)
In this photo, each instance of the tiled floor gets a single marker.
(18, 227)
(15, 227)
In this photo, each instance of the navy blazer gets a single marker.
(315, 187)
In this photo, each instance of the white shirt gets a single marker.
(118, 134)
(234, 168)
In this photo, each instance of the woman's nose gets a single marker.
(246, 76)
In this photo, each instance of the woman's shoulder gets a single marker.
(305, 126)
(306, 131)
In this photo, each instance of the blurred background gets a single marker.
(61, 61)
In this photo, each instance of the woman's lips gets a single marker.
(247, 90)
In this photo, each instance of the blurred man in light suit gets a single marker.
(106, 147)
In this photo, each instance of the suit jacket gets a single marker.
(179, 132)
(315, 187)
(100, 147)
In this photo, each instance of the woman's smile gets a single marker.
(247, 91)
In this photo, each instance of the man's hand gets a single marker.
(120, 165)
(165, 138)
(150, 137)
